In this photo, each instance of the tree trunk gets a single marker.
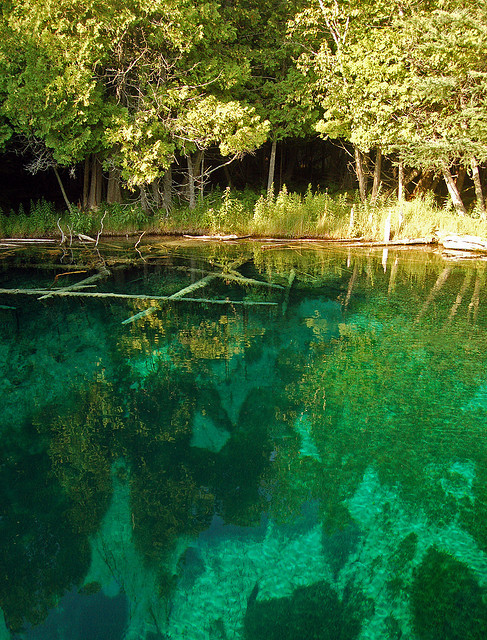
(400, 182)
(61, 186)
(272, 168)
(156, 196)
(453, 191)
(96, 177)
(191, 190)
(228, 176)
(167, 190)
(359, 170)
(202, 177)
(99, 181)
(377, 170)
(114, 194)
(86, 182)
(281, 165)
(478, 187)
(144, 203)
(424, 183)
(462, 172)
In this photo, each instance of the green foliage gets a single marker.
(447, 601)
(295, 215)
(39, 222)
(141, 146)
(230, 215)
(235, 127)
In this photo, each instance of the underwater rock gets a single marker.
(447, 602)
(190, 566)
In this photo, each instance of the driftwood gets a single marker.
(393, 243)
(27, 240)
(229, 274)
(218, 237)
(344, 242)
(464, 243)
(310, 240)
(179, 294)
(141, 314)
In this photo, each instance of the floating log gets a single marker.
(192, 287)
(217, 237)
(23, 240)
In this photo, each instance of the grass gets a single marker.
(286, 215)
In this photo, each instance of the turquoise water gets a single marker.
(307, 460)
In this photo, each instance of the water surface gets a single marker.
(305, 460)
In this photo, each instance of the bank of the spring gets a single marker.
(286, 215)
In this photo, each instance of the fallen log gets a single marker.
(464, 243)
(130, 296)
(236, 277)
(26, 240)
(103, 273)
(292, 277)
(192, 287)
(217, 237)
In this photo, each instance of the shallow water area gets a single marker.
(242, 440)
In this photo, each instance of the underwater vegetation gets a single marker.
(447, 602)
(314, 612)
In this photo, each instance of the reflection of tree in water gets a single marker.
(390, 391)
(175, 488)
(42, 552)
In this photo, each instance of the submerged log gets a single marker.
(62, 293)
(192, 287)
(236, 277)
(103, 273)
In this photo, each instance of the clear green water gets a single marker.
(311, 469)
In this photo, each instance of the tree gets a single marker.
(450, 86)
(402, 79)
(117, 83)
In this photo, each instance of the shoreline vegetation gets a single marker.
(231, 214)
